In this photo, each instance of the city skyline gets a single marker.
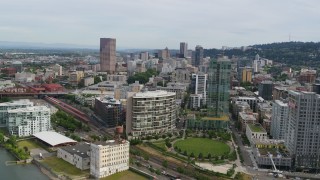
(156, 25)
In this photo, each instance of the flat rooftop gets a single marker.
(222, 118)
(79, 149)
(256, 128)
(150, 94)
(53, 138)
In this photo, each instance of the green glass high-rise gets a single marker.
(218, 87)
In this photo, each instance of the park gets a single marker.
(202, 145)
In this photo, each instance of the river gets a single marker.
(18, 172)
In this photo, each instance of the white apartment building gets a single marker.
(150, 112)
(77, 155)
(303, 129)
(200, 89)
(4, 107)
(57, 69)
(29, 120)
(279, 119)
(109, 157)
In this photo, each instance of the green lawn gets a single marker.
(161, 144)
(62, 167)
(202, 145)
(29, 144)
(125, 175)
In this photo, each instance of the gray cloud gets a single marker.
(161, 23)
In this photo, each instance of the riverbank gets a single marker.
(18, 171)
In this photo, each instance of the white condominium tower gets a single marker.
(151, 112)
(29, 120)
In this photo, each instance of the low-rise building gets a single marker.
(77, 155)
(246, 118)
(267, 149)
(109, 157)
(255, 131)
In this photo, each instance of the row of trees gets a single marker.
(68, 122)
(12, 146)
(142, 77)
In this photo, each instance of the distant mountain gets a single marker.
(33, 45)
(294, 53)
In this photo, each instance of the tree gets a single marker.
(200, 156)
(192, 155)
(97, 79)
(1, 138)
(209, 156)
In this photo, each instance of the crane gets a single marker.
(275, 172)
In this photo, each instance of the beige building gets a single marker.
(108, 55)
(77, 155)
(150, 112)
(88, 81)
(247, 118)
(109, 157)
(117, 78)
(246, 75)
(75, 77)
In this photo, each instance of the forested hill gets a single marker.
(295, 53)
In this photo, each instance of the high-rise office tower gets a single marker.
(108, 55)
(198, 56)
(183, 49)
(302, 137)
(218, 87)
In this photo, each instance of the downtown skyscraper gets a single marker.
(183, 49)
(108, 55)
(198, 56)
(218, 87)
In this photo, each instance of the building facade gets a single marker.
(29, 120)
(198, 56)
(110, 111)
(77, 155)
(303, 129)
(279, 119)
(4, 107)
(151, 112)
(183, 49)
(108, 55)
(218, 87)
(265, 90)
(109, 157)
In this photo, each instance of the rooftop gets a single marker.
(79, 149)
(247, 116)
(150, 94)
(29, 109)
(110, 142)
(17, 102)
(280, 103)
(53, 138)
(256, 128)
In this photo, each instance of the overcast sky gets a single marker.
(160, 23)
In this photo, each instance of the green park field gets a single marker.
(202, 145)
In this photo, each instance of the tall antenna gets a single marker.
(290, 37)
